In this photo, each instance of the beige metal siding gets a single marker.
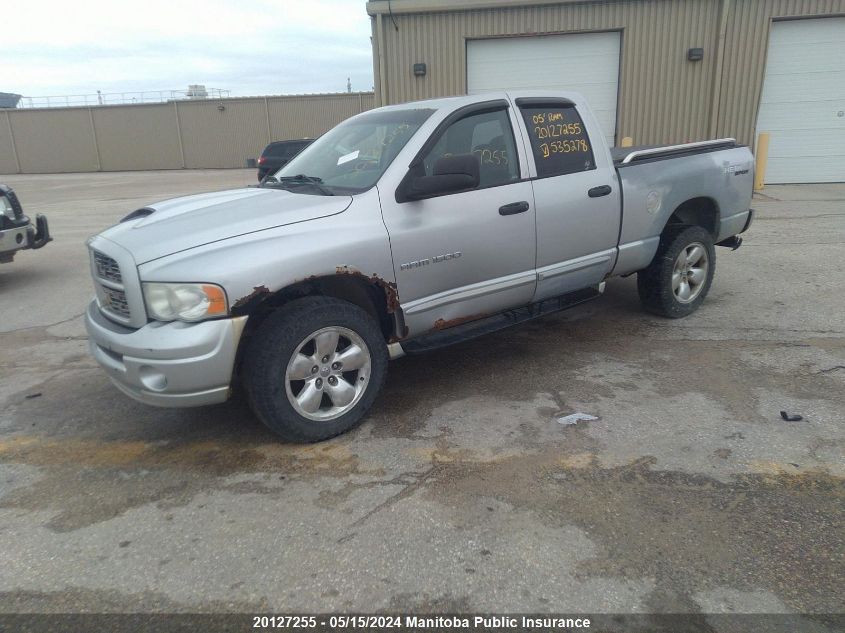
(137, 137)
(54, 141)
(222, 138)
(192, 134)
(746, 43)
(8, 162)
(663, 98)
(300, 117)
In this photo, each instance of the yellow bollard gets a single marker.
(627, 142)
(761, 157)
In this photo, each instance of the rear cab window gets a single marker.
(558, 138)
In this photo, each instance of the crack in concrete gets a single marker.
(45, 327)
(801, 218)
(830, 369)
(771, 330)
(791, 244)
(404, 493)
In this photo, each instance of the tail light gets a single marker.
(261, 160)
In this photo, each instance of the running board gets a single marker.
(496, 322)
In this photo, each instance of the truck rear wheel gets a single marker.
(679, 277)
(314, 368)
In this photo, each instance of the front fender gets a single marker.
(272, 259)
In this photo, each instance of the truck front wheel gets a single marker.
(314, 367)
(679, 276)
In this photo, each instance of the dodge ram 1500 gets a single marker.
(402, 229)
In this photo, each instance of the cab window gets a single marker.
(558, 140)
(488, 136)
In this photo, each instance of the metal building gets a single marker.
(659, 71)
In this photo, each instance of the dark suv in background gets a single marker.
(278, 153)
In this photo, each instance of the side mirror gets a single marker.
(451, 174)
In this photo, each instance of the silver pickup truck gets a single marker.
(402, 229)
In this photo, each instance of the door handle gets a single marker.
(513, 208)
(598, 192)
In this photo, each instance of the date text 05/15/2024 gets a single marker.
(420, 622)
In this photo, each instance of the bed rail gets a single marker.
(675, 149)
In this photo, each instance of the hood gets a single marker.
(183, 223)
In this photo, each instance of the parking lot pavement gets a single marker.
(461, 491)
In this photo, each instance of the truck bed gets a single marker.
(711, 177)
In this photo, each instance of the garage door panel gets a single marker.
(802, 105)
(584, 62)
(805, 169)
(489, 73)
(814, 143)
(796, 89)
(800, 114)
(538, 72)
(804, 61)
(603, 98)
(798, 58)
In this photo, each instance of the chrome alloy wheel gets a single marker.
(690, 272)
(328, 373)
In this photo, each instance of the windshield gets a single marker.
(351, 157)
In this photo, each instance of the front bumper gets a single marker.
(20, 234)
(173, 364)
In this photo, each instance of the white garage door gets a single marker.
(803, 101)
(584, 62)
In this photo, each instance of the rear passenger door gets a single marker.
(576, 196)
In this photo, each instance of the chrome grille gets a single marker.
(112, 294)
(115, 301)
(107, 268)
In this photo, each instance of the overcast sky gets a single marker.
(252, 47)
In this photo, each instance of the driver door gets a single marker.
(462, 256)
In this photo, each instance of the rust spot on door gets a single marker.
(444, 324)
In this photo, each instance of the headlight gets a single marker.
(184, 302)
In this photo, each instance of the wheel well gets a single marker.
(377, 297)
(703, 212)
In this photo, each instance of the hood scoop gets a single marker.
(139, 213)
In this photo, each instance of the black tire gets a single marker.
(654, 283)
(273, 345)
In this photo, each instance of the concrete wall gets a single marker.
(663, 98)
(174, 135)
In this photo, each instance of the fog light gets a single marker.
(152, 378)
